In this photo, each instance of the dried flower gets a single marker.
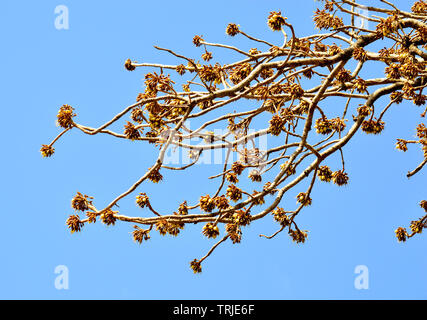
(304, 199)
(323, 126)
(419, 7)
(210, 230)
(234, 232)
(364, 111)
(108, 217)
(180, 69)
(197, 41)
(242, 218)
(234, 193)
(359, 54)
(74, 223)
(325, 20)
(232, 177)
(129, 66)
(237, 167)
(416, 226)
(373, 126)
(91, 216)
(142, 200)
(207, 203)
(183, 209)
(65, 116)
(140, 235)
(298, 236)
(137, 114)
(340, 178)
(276, 21)
(276, 125)
(207, 56)
(290, 170)
(47, 150)
(393, 71)
(196, 266)
(232, 29)
(155, 176)
(281, 217)
(401, 145)
(360, 85)
(401, 234)
(221, 202)
(80, 202)
(131, 132)
(325, 173)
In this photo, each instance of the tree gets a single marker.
(292, 85)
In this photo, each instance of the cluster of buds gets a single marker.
(232, 29)
(74, 223)
(165, 227)
(210, 230)
(65, 116)
(142, 200)
(131, 132)
(47, 150)
(140, 235)
(81, 202)
(281, 217)
(234, 193)
(155, 176)
(298, 236)
(221, 203)
(240, 72)
(242, 218)
(373, 126)
(276, 125)
(207, 203)
(276, 21)
(304, 199)
(340, 178)
(325, 173)
(325, 20)
(234, 232)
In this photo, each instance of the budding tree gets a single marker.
(291, 85)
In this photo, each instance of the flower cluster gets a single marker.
(65, 116)
(140, 235)
(210, 230)
(276, 21)
(325, 20)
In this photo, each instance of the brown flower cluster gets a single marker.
(373, 126)
(232, 29)
(74, 223)
(325, 20)
(65, 116)
(210, 230)
(140, 235)
(47, 150)
(276, 21)
(81, 202)
(325, 173)
(304, 199)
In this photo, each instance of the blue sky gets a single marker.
(44, 68)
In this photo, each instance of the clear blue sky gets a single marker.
(43, 68)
